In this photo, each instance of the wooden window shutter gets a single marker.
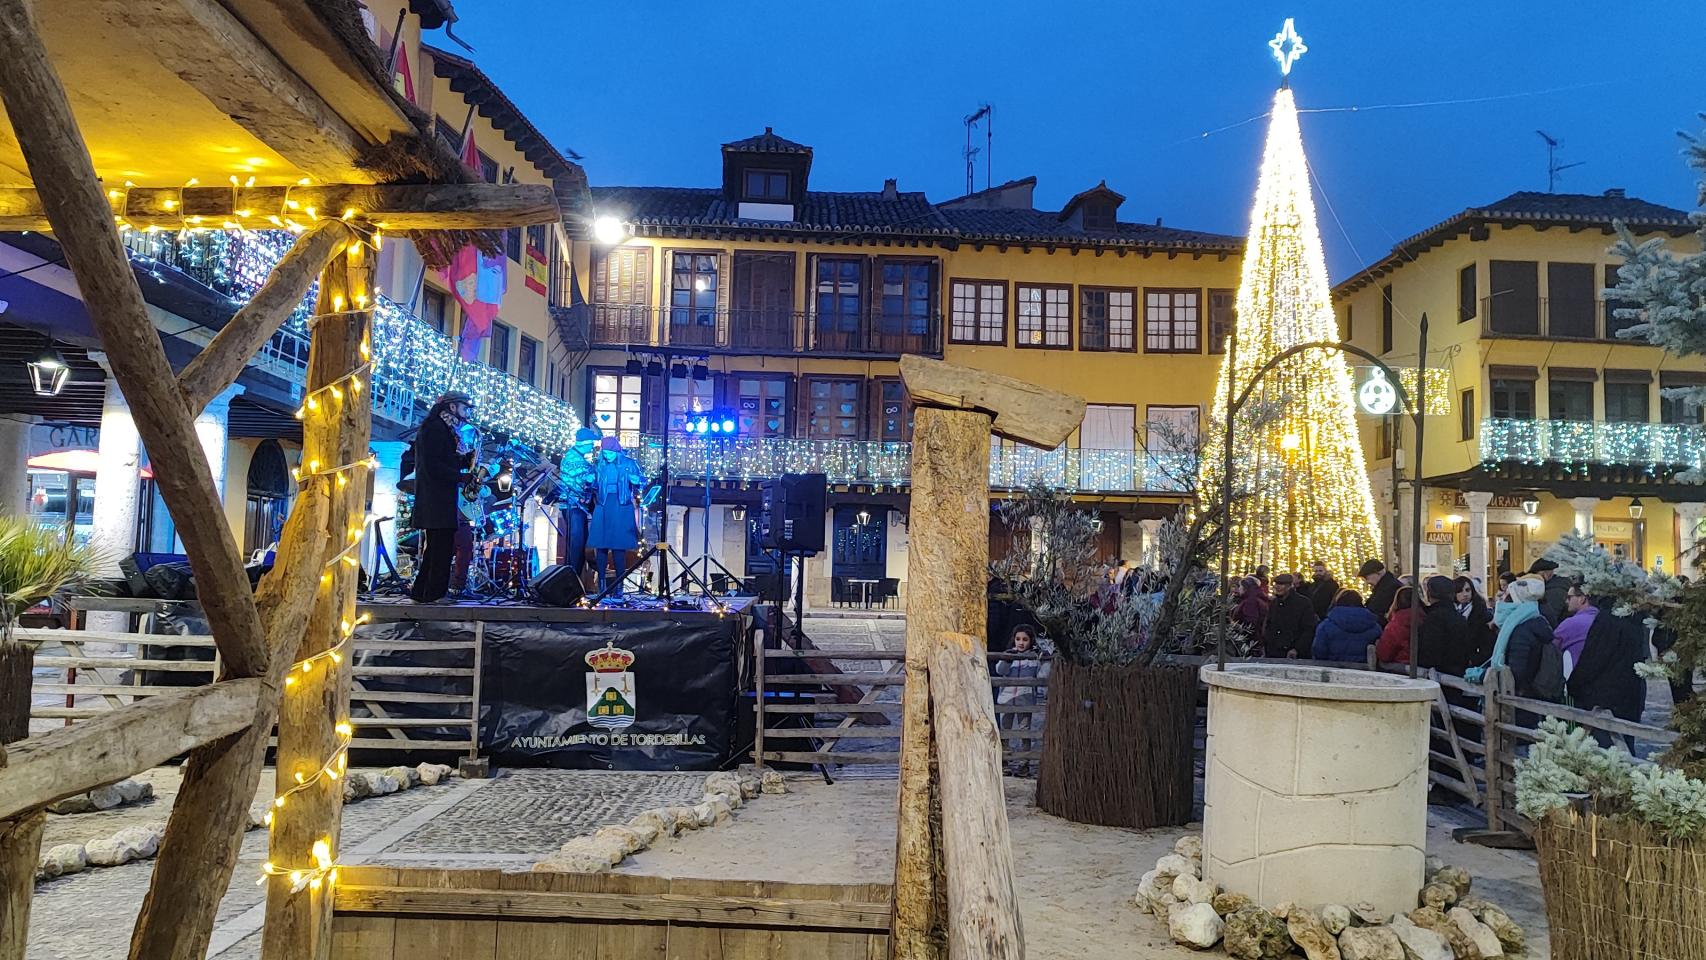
(808, 336)
(725, 287)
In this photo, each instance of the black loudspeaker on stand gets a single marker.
(557, 586)
(793, 509)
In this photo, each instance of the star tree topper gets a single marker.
(1287, 47)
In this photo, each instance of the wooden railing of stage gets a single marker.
(842, 706)
(96, 672)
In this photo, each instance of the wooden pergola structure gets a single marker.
(224, 114)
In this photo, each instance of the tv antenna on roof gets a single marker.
(986, 115)
(1553, 167)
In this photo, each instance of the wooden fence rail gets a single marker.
(83, 674)
(790, 724)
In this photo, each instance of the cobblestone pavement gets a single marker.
(508, 822)
(532, 812)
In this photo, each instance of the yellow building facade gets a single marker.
(1555, 423)
(795, 304)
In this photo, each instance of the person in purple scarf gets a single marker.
(1572, 633)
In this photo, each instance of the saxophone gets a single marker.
(480, 472)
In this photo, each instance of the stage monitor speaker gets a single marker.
(794, 506)
(557, 586)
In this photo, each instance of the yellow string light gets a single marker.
(352, 379)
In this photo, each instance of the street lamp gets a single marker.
(48, 372)
(608, 231)
(1636, 508)
(1531, 505)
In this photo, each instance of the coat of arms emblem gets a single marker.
(610, 687)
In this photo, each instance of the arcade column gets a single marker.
(14, 465)
(118, 491)
(213, 429)
(1478, 502)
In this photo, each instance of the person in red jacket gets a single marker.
(1394, 643)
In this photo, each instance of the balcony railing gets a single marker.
(753, 330)
(1664, 447)
(1567, 318)
(889, 463)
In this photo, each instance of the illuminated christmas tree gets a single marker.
(1301, 491)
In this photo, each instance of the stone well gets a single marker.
(1316, 784)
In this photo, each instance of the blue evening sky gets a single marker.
(647, 90)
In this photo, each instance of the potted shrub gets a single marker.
(1119, 741)
(37, 563)
(1622, 848)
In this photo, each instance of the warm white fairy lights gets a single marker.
(1310, 500)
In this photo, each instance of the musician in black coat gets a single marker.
(443, 459)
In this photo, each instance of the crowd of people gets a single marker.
(1559, 643)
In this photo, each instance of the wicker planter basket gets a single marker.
(1617, 889)
(1119, 748)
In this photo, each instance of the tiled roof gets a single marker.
(1600, 208)
(1045, 226)
(767, 142)
(1531, 207)
(871, 212)
(904, 214)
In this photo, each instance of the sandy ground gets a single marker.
(1075, 881)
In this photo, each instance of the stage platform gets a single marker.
(641, 686)
(508, 611)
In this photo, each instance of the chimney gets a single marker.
(1616, 193)
(889, 191)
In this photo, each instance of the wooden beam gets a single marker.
(838, 915)
(219, 363)
(71, 760)
(59, 163)
(212, 51)
(1022, 411)
(450, 206)
(977, 851)
(20, 836)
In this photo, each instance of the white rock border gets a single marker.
(142, 842)
(1447, 922)
(604, 848)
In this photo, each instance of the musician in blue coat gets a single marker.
(615, 527)
(575, 476)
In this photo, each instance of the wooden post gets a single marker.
(1494, 740)
(947, 573)
(758, 700)
(299, 922)
(20, 837)
(983, 901)
(947, 569)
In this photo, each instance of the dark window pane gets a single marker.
(1514, 296)
(1626, 402)
(1572, 309)
(1466, 300)
(1570, 400)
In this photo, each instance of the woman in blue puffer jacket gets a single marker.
(1347, 631)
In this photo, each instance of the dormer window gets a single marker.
(1099, 217)
(765, 186)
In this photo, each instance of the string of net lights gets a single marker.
(411, 361)
(1574, 445)
(1301, 492)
